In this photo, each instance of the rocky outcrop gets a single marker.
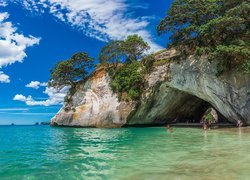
(174, 91)
(229, 94)
(194, 82)
(93, 105)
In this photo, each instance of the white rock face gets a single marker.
(176, 91)
(180, 90)
(229, 94)
(94, 105)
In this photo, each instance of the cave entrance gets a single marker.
(169, 106)
(182, 107)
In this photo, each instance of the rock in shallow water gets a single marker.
(94, 105)
(175, 91)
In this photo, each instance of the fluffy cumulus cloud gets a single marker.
(4, 78)
(115, 21)
(36, 84)
(20, 97)
(55, 97)
(12, 44)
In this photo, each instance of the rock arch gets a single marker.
(183, 91)
(171, 106)
(173, 91)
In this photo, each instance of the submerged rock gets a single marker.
(175, 91)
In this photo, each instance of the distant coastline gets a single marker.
(35, 124)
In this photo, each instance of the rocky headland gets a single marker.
(174, 91)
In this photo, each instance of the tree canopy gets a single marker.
(126, 78)
(218, 28)
(134, 47)
(112, 54)
(129, 50)
(70, 71)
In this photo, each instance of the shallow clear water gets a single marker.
(42, 152)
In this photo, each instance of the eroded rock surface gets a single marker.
(94, 105)
(174, 91)
(182, 90)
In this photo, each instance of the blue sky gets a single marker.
(35, 34)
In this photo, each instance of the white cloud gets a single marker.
(100, 19)
(56, 97)
(3, 3)
(4, 78)
(20, 97)
(12, 43)
(3, 16)
(36, 84)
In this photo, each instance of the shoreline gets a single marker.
(176, 125)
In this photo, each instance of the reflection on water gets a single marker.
(41, 152)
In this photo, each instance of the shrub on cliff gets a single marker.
(148, 63)
(128, 80)
(217, 28)
(69, 72)
(122, 61)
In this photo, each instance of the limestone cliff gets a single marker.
(174, 91)
(93, 105)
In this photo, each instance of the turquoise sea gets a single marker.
(42, 152)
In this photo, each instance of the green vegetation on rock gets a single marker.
(208, 117)
(126, 72)
(218, 29)
(69, 72)
(112, 54)
(129, 50)
(127, 81)
(148, 63)
(134, 47)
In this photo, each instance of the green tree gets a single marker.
(217, 28)
(112, 54)
(134, 47)
(70, 71)
(148, 62)
(128, 79)
(129, 50)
